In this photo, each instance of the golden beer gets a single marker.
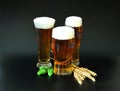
(63, 47)
(76, 23)
(43, 26)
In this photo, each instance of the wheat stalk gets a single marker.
(81, 73)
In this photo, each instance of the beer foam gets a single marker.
(44, 22)
(63, 33)
(73, 21)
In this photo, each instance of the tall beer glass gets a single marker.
(63, 46)
(76, 23)
(43, 26)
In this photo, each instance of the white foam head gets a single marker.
(44, 22)
(73, 21)
(63, 33)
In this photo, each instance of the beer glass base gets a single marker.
(76, 62)
(62, 73)
(39, 64)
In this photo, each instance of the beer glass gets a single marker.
(43, 26)
(62, 47)
(76, 23)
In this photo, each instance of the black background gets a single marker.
(100, 45)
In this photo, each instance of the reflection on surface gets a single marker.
(18, 72)
(104, 66)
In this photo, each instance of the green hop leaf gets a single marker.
(50, 71)
(41, 71)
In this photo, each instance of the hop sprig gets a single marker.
(45, 70)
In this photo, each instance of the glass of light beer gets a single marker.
(76, 23)
(43, 26)
(62, 47)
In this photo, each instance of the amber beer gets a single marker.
(76, 23)
(43, 26)
(62, 47)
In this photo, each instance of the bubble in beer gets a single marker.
(44, 22)
(73, 21)
(63, 33)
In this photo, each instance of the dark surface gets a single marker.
(100, 45)
(18, 73)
